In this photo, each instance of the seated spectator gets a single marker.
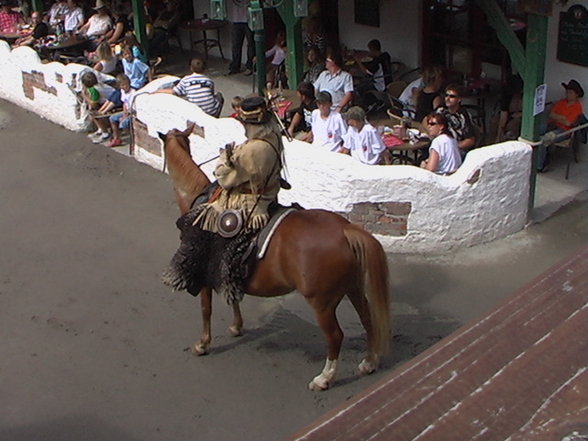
(429, 97)
(40, 30)
(277, 53)
(327, 125)
(315, 64)
(167, 21)
(378, 70)
(313, 34)
(97, 26)
(138, 52)
(96, 95)
(198, 89)
(56, 14)
(444, 156)
(74, 17)
(336, 81)
(408, 97)
(459, 121)
(508, 126)
(564, 114)
(300, 127)
(122, 121)
(362, 140)
(121, 25)
(236, 106)
(106, 60)
(9, 20)
(135, 69)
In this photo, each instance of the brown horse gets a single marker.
(316, 252)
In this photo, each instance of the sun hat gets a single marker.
(100, 4)
(575, 86)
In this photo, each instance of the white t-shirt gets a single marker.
(73, 19)
(366, 145)
(127, 98)
(328, 133)
(448, 151)
(99, 25)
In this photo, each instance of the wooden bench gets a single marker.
(519, 373)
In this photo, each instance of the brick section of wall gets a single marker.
(146, 141)
(33, 80)
(385, 218)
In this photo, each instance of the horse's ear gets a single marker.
(162, 136)
(189, 129)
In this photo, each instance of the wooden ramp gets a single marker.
(517, 374)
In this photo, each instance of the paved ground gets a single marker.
(94, 346)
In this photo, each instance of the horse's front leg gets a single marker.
(236, 329)
(201, 347)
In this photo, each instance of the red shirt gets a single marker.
(571, 112)
(9, 21)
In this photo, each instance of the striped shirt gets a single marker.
(199, 90)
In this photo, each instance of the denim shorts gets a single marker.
(124, 122)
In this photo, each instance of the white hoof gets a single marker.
(199, 349)
(367, 367)
(317, 385)
(324, 379)
(234, 331)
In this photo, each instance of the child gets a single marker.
(328, 127)
(278, 56)
(135, 69)
(96, 95)
(362, 140)
(106, 62)
(300, 126)
(122, 120)
(236, 106)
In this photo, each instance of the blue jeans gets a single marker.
(239, 33)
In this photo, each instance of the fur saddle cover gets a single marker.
(223, 264)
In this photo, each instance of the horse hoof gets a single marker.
(318, 386)
(199, 349)
(367, 367)
(234, 331)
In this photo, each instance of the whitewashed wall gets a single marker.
(447, 212)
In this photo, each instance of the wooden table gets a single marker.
(74, 43)
(286, 100)
(11, 37)
(204, 26)
(407, 152)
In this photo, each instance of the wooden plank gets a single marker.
(519, 373)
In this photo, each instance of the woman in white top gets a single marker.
(327, 125)
(362, 140)
(444, 156)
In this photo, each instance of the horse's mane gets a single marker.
(188, 177)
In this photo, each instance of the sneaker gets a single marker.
(103, 137)
(116, 142)
(94, 134)
(247, 72)
(232, 72)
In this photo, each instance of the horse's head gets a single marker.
(180, 137)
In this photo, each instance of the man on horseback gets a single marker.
(248, 174)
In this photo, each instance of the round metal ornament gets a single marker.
(229, 223)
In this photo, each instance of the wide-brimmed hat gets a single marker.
(575, 86)
(253, 110)
(100, 4)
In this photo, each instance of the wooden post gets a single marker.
(139, 25)
(295, 55)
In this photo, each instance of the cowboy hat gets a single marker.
(575, 86)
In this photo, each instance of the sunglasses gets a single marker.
(432, 123)
(451, 95)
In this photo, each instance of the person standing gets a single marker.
(238, 14)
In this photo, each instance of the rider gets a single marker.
(249, 173)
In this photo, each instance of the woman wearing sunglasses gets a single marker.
(444, 156)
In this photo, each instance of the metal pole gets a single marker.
(139, 24)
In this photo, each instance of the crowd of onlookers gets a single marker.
(338, 89)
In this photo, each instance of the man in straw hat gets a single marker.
(248, 174)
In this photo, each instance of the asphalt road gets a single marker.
(94, 347)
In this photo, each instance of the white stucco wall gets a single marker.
(447, 212)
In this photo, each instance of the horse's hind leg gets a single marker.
(327, 320)
(369, 364)
(201, 347)
(236, 329)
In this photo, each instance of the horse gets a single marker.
(316, 252)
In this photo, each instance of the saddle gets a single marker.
(224, 264)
